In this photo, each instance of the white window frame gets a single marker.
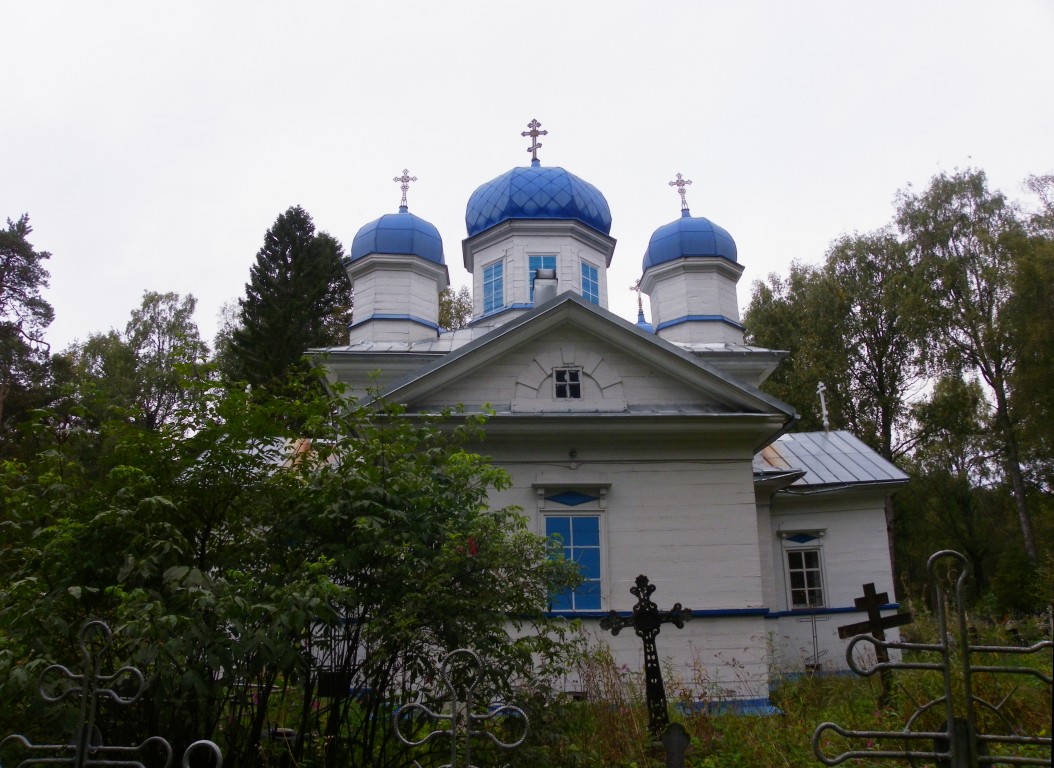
(498, 301)
(801, 549)
(596, 280)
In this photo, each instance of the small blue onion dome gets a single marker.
(402, 233)
(537, 193)
(688, 236)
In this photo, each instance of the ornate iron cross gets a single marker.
(404, 181)
(85, 748)
(534, 133)
(646, 621)
(958, 742)
(461, 671)
(681, 183)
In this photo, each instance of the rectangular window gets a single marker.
(493, 286)
(579, 538)
(590, 283)
(567, 383)
(805, 576)
(536, 263)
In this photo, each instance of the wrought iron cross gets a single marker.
(534, 133)
(960, 741)
(85, 748)
(461, 671)
(404, 181)
(646, 621)
(681, 183)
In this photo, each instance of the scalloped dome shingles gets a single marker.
(537, 192)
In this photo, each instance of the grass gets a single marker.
(609, 728)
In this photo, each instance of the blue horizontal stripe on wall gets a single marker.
(710, 614)
(721, 613)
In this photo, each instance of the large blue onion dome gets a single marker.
(688, 236)
(537, 193)
(402, 233)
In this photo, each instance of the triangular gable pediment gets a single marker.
(621, 369)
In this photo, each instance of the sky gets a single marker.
(153, 145)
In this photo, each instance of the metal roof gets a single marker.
(827, 458)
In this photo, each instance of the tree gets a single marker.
(968, 242)
(455, 309)
(141, 374)
(237, 561)
(298, 297)
(786, 314)
(24, 317)
(874, 303)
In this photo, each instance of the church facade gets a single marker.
(647, 448)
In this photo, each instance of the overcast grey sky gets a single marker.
(153, 145)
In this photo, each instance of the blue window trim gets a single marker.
(590, 283)
(534, 264)
(493, 287)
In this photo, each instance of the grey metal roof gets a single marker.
(828, 458)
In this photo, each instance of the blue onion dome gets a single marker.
(401, 233)
(686, 237)
(537, 193)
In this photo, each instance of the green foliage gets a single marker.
(298, 297)
(935, 344)
(455, 309)
(24, 317)
(230, 555)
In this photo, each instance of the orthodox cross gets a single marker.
(972, 724)
(534, 133)
(821, 390)
(640, 302)
(681, 183)
(58, 682)
(461, 671)
(404, 181)
(876, 625)
(646, 622)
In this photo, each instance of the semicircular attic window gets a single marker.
(568, 380)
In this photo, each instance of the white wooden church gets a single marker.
(649, 448)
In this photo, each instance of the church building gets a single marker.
(648, 448)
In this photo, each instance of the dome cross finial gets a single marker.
(534, 133)
(681, 183)
(404, 181)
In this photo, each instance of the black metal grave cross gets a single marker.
(534, 133)
(876, 625)
(964, 739)
(646, 621)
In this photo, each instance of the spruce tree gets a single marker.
(298, 297)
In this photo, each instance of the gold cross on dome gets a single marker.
(404, 180)
(534, 133)
(681, 183)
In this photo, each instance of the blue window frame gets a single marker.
(535, 263)
(590, 283)
(493, 286)
(579, 537)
